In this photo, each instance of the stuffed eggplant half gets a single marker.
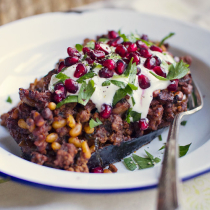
(108, 98)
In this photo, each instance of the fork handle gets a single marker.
(168, 198)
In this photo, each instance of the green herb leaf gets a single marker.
(91, 45)
(68, 99)
(79, 47)
(93, 123)
(61, 76)
(132, 73)
(135, 115)
(133, 87)
(183, 123)
(9, 100)
(183, 150)
(103, 39)
(114, 56)
(127, 71)
(149, 155)
(143, 162)
(84, 57)
(128, 116)
(106, 83)
(133, 101)
(166, 37)
(96, 65)
(160, 138)
(129, 163)
(163, 147)
(121, 93)
(147, 43)
(125, 38)
(118, 83)
(86, 76)
(85, 92)
(157, 76)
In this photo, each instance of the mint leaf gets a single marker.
(9, 100)
(127, 71)
(84, 57)
(129, 163)
(91, 45)
(147, 43)
(79, 47)
(118, 83)
(68, 99)
(135, 115)
(106, 83)
(125, 38)
(85, 92)
(103, 39)
(133, 87)
(86, 76)
(142, 162)
(163, 147)
(133, 101)
(93, 123)
(95, 65)
(183, 123)
(166, 37)
(61, 76)
(121, 93)
(128, 116)
(149, 155)
(132, 73)
(113, 56)
(183, 150)
(160, 138)
(157, 76)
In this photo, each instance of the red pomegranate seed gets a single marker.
(121, 50)
(61, 66)
(114, 42)
(155, 48)
(132, 47)
(138, 70)
(69, 61)
(144, 82)
(80, 70)
(143, 124)
(60, 92)
(106, 73)
(136, 58)
(151, 62)
(103, 47)
(141, 44)
(97, 54)
(106, 111)
(86, 50)
(158, 61)
(174, 85)
(73, 52)
(71, 85)
(145, 53)
(120, 67)
(109, 63)
(160, 71)
(89, 60)
(145, 37)
(97, 170)
(112, 34)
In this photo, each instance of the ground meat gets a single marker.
(38, 158)
(117, 123)
(165, 96)
(121, 107)
(101, 134)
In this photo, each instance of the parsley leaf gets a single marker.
(166, 37)
(86, 76)
(133, 101)
(68, 99)
(127, 71)
(129, 163)
(132, 73)
(93, 123)
(91, 45)
(183, 123)
(118, 83)
(135, 115)
(84, 57)
(114, 56)
(133, 87)
(103, 39)
(119, 94)
(127, 119)
(96, 65)
(9, 100)
(61, 76)
(147, 43)
(85, 92)
(160, 138)
(157, 76)
(79, 47)
(106, 83)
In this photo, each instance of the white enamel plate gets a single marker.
(30, 47)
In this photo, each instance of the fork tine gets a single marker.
(191, 103)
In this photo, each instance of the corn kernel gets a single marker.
(59, 124)
(71, 121)
(86, 150)
(55, 146)
(52, 137)
(22, 124)
(52, 106)
(76, 131)
(75, 141)
(87, 129)
(107, 171)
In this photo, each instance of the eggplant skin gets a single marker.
(115, 153)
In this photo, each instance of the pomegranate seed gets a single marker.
(138, 70)
(97, 54)
(145, 37)
(121, 50)
(71, 85)
(109, 63)
(86, 50)
(132, 47)
(114, 42)
(112, 34)
(69, 61)
(143, 124)
(160, 71)
(120, 67)
(144, 82)
(136, 58)
(80, 70)
(73, 52)
(61, 66)
(151, 62)
(89, 60)
(155, 48)
(103, 47)
(141, 44)
(145, 53)
(174, 85)
(106, 73)
(60, 92)
(97, 170)
(106, 111)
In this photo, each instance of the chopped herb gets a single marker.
(94, 123)
(79, 47)
(125, 38)
(114, 56)
(160, 138)
(129, 163)
(96, 65)
(91, 44)
(85, 92)
(135, 115)
(118, 83)
(128, 116)
(119, 94)
(9, 100)
(127, 71)
(133, 87)
(61, 76)
(132, 73)
(183, 123)
(133, 101)
(103, 39)
(163, 147)
(166, 37)
(86, 76)
(106, 83)
(157, 76)
(84, 57)
(68, 99)
(146, 42)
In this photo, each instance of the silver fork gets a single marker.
(168, 198)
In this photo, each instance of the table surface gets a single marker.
(195, 193)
